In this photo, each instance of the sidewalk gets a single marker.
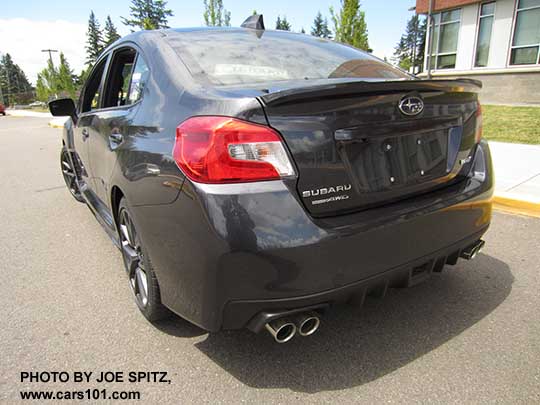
(517, 177)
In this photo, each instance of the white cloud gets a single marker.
(24, 39)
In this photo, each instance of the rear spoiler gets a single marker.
(350, 88)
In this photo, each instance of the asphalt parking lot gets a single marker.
(470, 334)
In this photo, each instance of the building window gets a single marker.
(483, 41)
(445, 39)
(526, 41)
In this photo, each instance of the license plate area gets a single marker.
(383, 163)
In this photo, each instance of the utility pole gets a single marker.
(50, 51)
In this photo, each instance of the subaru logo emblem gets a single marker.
(411, 105)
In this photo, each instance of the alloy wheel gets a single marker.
(69, 175)
(133, 259)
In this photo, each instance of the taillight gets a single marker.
(478, 133)
(227, 150)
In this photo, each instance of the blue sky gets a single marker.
(27, 25)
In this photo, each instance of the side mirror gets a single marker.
(63, 107)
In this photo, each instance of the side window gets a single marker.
(119, 78)
(138, 80)
(91, 92)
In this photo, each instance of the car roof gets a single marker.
(193, 29)
(167, 32)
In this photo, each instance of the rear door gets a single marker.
(362, 144)
(121, 94)
(89, 106)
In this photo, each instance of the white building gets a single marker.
(497, 42)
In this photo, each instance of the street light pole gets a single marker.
(430, 37)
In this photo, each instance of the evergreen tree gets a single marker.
(215, 14)
(13, 81)
(227, 19)
(320, 27)
(409, 52)
(283, 24)
(302, 31)
(80, 79)
(148, 14)
(350, 24)
(111, 34)
(94, 39)
(422, 46)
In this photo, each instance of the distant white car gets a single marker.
(37, 104)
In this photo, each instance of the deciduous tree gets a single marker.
(46, 83)
(350, 24)
(65, 83)
(55, 82)
(215, 14)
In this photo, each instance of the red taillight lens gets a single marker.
(478, 133)
(228, 150)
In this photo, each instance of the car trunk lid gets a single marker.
(355, 148)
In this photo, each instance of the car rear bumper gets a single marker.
(255, 313)
(223, 254)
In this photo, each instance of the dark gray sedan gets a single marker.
(254, 178)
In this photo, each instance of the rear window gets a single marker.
(229, 57)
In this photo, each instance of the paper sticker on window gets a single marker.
(270, 72)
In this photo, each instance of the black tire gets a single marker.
(70, 177)
(141, 276)
(3, 113)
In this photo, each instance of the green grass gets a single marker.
(511, 124)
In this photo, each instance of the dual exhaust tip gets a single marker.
(284, 329)
(471, 251)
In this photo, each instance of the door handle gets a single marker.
(116, 138)
(85, 134)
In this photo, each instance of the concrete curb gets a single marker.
(57, 122)
(517, 204)
(54, 122)
(28, 113)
